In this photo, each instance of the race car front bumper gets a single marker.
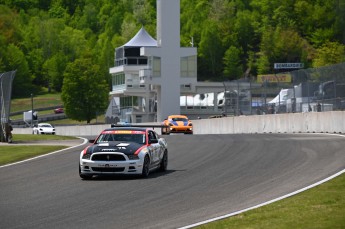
(99, 167)
(181, 129)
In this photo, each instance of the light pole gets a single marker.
(275, 75)
(32, 110)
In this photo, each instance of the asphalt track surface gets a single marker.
(208, 176)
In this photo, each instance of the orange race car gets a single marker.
(177, 124)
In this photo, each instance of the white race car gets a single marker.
(124, 150)
(43, 128)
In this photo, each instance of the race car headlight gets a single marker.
(133, 157)
(87, 156)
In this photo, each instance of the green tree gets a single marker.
(14, 59)
(232, 61)
(104, 55)
(84, 91)
(194, 13)
(143, 11)
(265, 31)
(211, 52)
(89, 17)
(263, 65)
(330, 53)
(287, 46)
(54, 68)
(9, 24)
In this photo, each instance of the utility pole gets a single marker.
(32, 110)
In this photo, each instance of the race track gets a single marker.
(208, 176)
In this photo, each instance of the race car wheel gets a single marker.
(146, 167)
(165, 131)
(164, 163)
(83, 176)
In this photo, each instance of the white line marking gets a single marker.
(268, 202)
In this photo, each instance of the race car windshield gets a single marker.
(137, 138)
(179, 119)
(45, 125)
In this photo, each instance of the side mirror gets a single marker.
(152, 141)
(92, 141)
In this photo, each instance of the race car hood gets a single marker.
(128, 148)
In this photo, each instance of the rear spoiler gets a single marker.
(153, 126)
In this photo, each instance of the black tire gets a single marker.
(165, 131)
(164, 163)
(83, 176)
(146, 167)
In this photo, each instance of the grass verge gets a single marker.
(10, 154)
(46, 100)
(320, 207)
(14, 153)
(39, 137)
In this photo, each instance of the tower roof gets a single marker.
(141, 39)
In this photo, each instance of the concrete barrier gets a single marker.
(311, 122)
(80, 130)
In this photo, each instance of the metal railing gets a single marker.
(307, 90)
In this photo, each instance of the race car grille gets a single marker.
(108, 157)
(108, 169)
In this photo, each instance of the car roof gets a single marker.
(177, 116)
(128, 128)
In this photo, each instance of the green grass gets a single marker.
(100, 119)
(319, 207)
(14, 153)
(42, 137)
(20, 116)
(46, 100)
(10, 154)
(40, 101)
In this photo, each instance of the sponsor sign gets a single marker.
(288, 65)
(272, 78)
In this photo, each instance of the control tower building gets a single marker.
(156, 72)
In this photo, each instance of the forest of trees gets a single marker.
(44, 39)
